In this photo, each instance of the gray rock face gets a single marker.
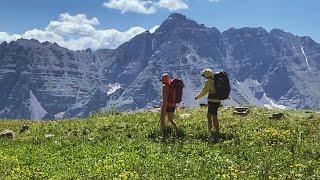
(45, 81)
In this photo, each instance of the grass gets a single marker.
(131, 146)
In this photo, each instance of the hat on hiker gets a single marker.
(207, 73)
(165, 78)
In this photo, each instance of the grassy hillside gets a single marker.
(130, 146)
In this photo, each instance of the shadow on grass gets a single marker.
(214, 138)
(169, 135)
(166, 135)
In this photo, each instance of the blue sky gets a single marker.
(119, 20)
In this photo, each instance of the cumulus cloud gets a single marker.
(173, 5)
(77, 33)
(4, 36)
(145, 6)
(68, 24)
(41, 35)
(139, 6)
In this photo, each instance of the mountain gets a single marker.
(45, 81)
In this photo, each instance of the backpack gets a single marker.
(176, 87)
(222, 86)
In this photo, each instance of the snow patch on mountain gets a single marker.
(306, 58)
(112, 88)
(79, 88)
(271, 104)
(255, 94)
(59, 115)
(36, 109)
(237, 82)
(250, 90)
(152, 30)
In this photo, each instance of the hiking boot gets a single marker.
(166, 131)
(180, 133)
(215, 134)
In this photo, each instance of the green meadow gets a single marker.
(112, 145)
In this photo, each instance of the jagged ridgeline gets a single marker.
(46, 81)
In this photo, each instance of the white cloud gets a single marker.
(68, 24)
(173, 5)
(4, 36)
(145, 6)
(139, 6)
(77, 33)
(41, 35)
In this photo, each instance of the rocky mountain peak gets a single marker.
(271, 69)
(277, 31)
(258, 31)
(3, 44)
(26, 43)
(177, 16)
(175, 21)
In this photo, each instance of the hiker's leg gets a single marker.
(215, 122)
(209, 122)
(171, 120)
(209, 116)
(163, 118)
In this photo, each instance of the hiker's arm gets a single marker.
(165, 98)
(204, 91)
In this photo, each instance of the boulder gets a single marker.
(243, 111)
(24, 128)
(276, 116)
(7, 134)
(48, 136)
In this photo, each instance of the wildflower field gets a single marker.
(112, 145)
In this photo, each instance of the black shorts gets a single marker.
(213, 108)
(171, 109)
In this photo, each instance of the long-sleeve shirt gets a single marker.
(209, 88)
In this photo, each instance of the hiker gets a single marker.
(168, 107)
(213, 104)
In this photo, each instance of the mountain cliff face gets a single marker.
(45, 81)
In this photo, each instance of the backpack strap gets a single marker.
(211, 94)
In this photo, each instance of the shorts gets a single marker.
(213, 108)
(171, 109)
